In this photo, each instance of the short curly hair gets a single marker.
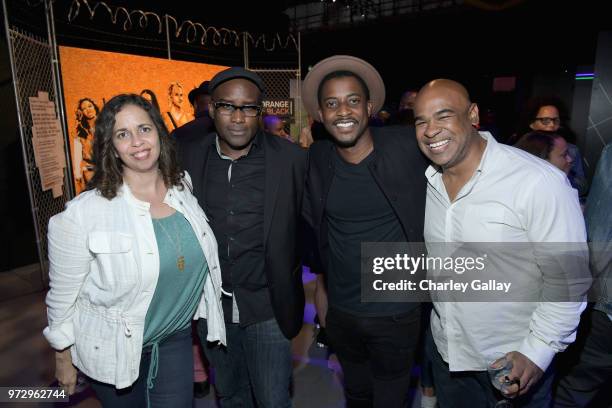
(530, 112)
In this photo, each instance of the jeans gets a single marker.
(376, 355)
(588, 380)
(256, 362)
(173, 386)
(473, 389)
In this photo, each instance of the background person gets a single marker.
(548, 146)
(149, 95)
(549, 114)
(276, 126)
(86, 114)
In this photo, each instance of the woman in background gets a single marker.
(86, 114)
(548, 146)
(548, 114)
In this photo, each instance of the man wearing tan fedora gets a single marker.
(364, 185)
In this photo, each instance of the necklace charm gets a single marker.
(180, 258)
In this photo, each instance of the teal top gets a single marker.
(182, 272)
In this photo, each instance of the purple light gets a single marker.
(583, 74)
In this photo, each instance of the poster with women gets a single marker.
(91, 77)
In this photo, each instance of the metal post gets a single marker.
(59, 95)
(245, 50)
(168, 36)
(20, 121)
(299, 79)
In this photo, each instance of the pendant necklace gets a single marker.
(180, 259)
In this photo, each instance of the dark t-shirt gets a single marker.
(357, 211)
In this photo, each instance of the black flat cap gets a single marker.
(200, 90)
(235, 73)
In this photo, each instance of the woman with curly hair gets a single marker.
(86, 114)
(132, 261)
(549, 114)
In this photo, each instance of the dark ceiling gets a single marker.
(548, 33)
(472, 40)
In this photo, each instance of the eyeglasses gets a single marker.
(548, 121)
(227, 109)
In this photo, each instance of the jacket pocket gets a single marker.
(115, 264)
(103, 242)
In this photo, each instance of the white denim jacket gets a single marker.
(103, 270)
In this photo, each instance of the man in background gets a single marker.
(202, 124)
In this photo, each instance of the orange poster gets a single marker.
(90, 78)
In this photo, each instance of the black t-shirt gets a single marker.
(357, 211)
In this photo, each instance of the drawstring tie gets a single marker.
(152, 374)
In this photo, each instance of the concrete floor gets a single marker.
(27, 360)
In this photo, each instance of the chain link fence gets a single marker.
(284, 84)
(32, 72)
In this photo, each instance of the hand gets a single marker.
(525, 371)
(65, 372)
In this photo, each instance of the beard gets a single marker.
(345, 144)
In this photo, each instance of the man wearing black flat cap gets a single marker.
(364, 185)
(199, 98)
(250, 185)
(202, 125)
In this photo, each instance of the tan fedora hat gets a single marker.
(359, 67)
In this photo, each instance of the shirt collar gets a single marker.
(485, 160)
(125, 192)
(257, 140)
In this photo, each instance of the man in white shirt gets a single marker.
(482, 191)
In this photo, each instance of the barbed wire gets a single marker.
(191, 30)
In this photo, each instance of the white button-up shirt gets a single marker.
(512, 197)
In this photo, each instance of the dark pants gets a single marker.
(376, 355)
(473, 389)
(588, 381)
(256, 361)
(173, 386)
(424, 354)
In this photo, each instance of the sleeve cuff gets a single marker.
(537, 351)
(60, 336)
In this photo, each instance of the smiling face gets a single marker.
(236, 130)
(344, 110)
(88, 109)
(136, 140)
(445, 123)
